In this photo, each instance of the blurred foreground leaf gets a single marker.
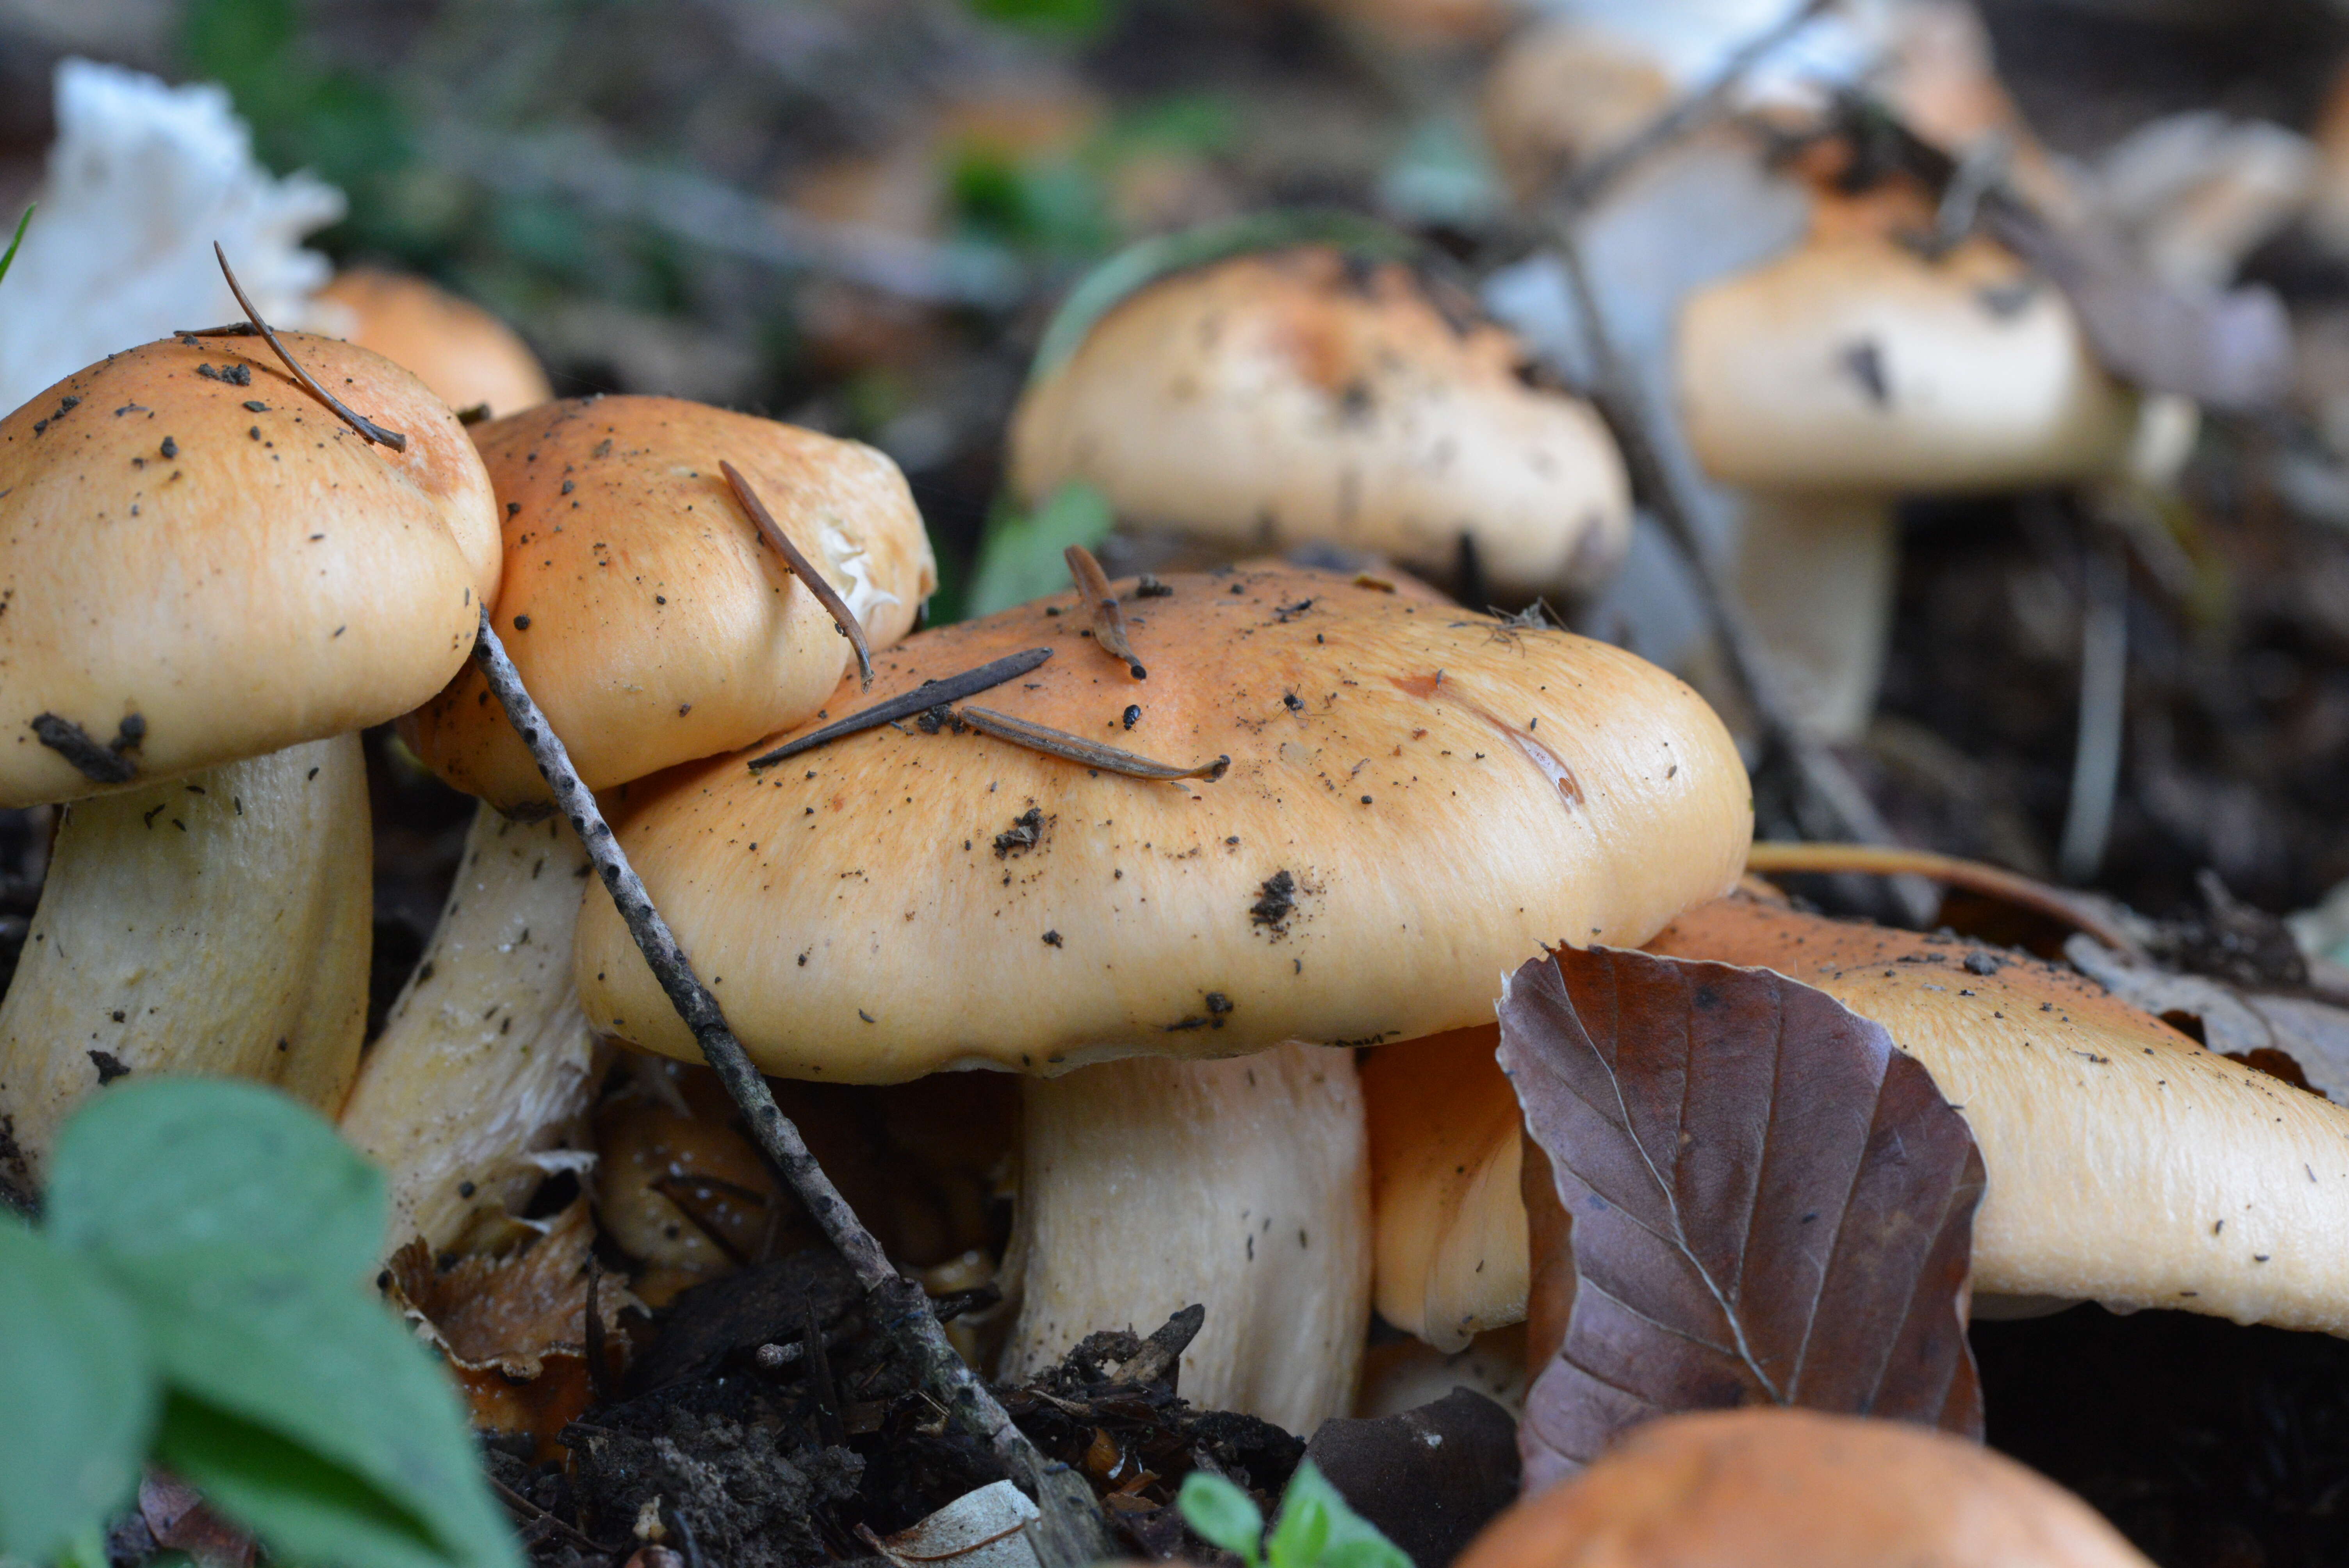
(205, 1253)
(77, 1396)
(215, 1170)
(17, 239)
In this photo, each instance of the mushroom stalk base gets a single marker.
(1241, 1185)
(220, 922)
(486, 1058)
(1815, 574)
(1071, 1531)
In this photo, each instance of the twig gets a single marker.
(2104, 692)
(905, 704)
(1594, 178)
(1767, 858)
(1072, 1533)
(689, 206)
(356, 421)
(1828, 800)
(1109, 620)
(1076, 749)
(524, 1508)
(781, 543)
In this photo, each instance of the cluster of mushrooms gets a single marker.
(1224, 872)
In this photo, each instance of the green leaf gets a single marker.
(314, 1416)
(8, 259)
(1023, 557)
(1136, 267)
(77, 1396)
(180, 1166)
(1223, 1514)
(1330, 1534)
(1080, 17)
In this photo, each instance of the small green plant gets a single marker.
(1316, 1528)
(1023, 556)
(195, 1298)
(8, 259)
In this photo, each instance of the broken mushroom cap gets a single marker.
(2127, 1164)
(1449, 1229)
(639, 604)
(1855, 365)
(203, 563)
(468, 358)
(1342, 402)
(1416, 797)
(1774, 1488)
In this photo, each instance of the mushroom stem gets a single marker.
(486, 1058)
(1148, 1184)
(219, 923)
(1070, 1533)
(1815, 574)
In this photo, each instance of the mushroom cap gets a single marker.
(1853, 363)
(1449, 1248)
(1562, 92)
(1337, 403)
(2127, 1164)
(466, 356)
(226, 560)
(1770, 1488)
(1417, 797)
(641, 607)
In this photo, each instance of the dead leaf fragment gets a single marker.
(1768, 1204)
(513, 1327)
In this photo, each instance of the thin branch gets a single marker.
(1070, 1533)
(905, 704)
(343, 411)
(1109, 620)
(582, 172)
(2104, 696)
(781, 543)
(1076, 749)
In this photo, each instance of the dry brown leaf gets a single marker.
(513, 1327)
(1768, 1204)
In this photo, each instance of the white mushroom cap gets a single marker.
(1854, 364)
(1286, 397)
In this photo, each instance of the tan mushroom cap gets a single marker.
(639, 604)
(227, 561)
(1563, 92)
(1770, 1488)
(1287, 397)
(1855, 363)
(2128, 1165)
(466, 356)
(1441, 792)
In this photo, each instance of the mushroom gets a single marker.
(1344, 401)
(468, 358)
(1772, 1487)
(2127, 1164)
(1858, 369)
(916, 898)
(211, 585)
(653, 627)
